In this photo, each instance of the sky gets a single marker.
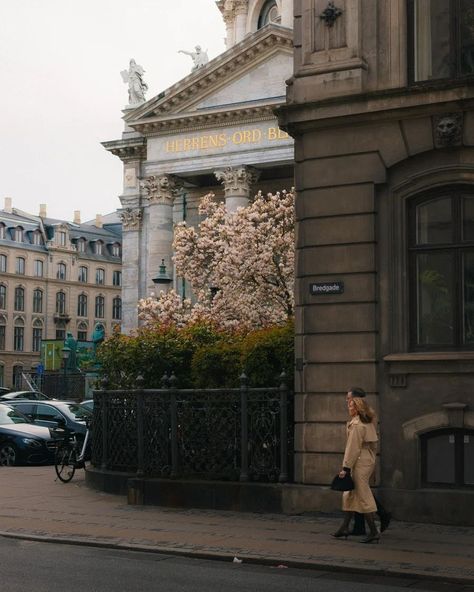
(61, 93)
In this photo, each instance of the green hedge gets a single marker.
(201, 356)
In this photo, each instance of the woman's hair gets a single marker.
(356, 391)
(365, 412)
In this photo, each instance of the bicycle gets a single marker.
(70, 455)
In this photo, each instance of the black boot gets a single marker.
(359, 525)
(343, 530)
(374, 535)
(384, 516)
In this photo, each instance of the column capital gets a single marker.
(161, 189)
(131, 218)
(237, 181)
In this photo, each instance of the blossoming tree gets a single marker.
(239, 265)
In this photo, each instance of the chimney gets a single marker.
(98, 220)
(77, 216)
(43, 213)
(8, 205)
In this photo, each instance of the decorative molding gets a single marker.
(126, 150)
(237, 181)
(161, 189)
(131, 218)
(330, 14)
(448, 130)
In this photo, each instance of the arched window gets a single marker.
(268, 14)
(441, 39)
(116, 250)
(99, 247)
(3, 297)
(60, 303)
(117, 278)
(17, 377)
(37, 335)
(3, 327)
(442, 270)
(100, 276)
(81, 245)
(82, 305)
(82, 274)
(20, 266)
(37, 238)
(19, 335)
(39, 268)
(82, 332)
(38, 300)
(61, 271)
(3, 263)
(447, 458)
(18, 234)
(3, 232)
(99, 307)
(19, 303)
(117, 308)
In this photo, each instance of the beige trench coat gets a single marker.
(359, 456)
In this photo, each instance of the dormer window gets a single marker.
(99, 247)
(116, 249)
(269, 14)
(18, 234)
(81, 245)
(36, 238)
(61, 238)
(2, 231)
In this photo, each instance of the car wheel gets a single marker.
(8, 455)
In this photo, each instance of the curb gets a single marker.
(248, 559)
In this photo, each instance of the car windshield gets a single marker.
(78, 412)
(9, 416)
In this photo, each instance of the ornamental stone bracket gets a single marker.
(448, 130)
(127, 150)
(237, 181)
(330, 14)
(131, 218)
(161, 189)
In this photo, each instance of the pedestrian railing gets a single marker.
(236, 434)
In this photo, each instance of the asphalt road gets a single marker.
(27, 566)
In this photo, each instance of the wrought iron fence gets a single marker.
(232, 434)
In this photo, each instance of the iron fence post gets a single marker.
(105, 431)
(140, 427)
(244, 429)
(283, 477)
(174, 427)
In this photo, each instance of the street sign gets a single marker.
(326, 288)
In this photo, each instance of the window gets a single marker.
(116, 250)
(448, 458)
(39, 268)
(61, 303)
(82, 305)
(442, 271)
(18, 234)
(17, 377)
(19, 303)
(3, 326)
(36, 238)
(3, 263)
(99, 245)
(3, 232)
(82, 332)
(37, 300)
(441, 39)
(62, 238)
(81, 245)
(269, 14)
(100, 276)
(99, 307)
(3, 297)
(117, 278)
(61, 272)
(20, 266)
(82, 274)
(117, 308)
(19, 336)
(60, 334)
(37, 336)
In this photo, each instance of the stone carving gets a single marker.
(161, 189)
(131, 219)
(237, 181)
(330, 14)
(448, 130)
(136, 85)
(199, 57)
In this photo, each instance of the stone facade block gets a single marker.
(335, 318)
(323, 378)
(331, 407)
(328, 231)
(335, 201)
(343, 170)
(340, 347)
(336, 259)
(418, 134)
(357, 288)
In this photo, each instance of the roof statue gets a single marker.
(136, 85)
(199, 57)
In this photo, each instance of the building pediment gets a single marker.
(247, 81)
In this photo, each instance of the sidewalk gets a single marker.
(34, 505)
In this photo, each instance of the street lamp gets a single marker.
(65, 352)
(163, 277)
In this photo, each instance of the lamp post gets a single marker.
(163, 277)
(65, 352)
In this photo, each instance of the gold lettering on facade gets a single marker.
(239, 137)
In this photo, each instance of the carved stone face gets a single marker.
(447, 127)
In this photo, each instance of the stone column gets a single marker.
(131, 222)
(159, 192)
(241, 10)
(237, 183)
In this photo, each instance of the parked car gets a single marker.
(53, 414)
(88, 404)
(30, 395)
(4, 390)
(22, 442)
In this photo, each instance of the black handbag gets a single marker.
(345, 483)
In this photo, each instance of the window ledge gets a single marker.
(429, 356)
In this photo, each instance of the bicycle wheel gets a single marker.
(65, 463)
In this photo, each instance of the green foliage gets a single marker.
(200, 355)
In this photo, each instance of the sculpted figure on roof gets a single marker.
(198, 56)
(137, 87)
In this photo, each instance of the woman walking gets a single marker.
(359, 461)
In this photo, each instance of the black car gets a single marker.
(53, 414)
(30, 395)
(22, 442)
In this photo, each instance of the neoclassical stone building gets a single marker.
(55, 277)
(381, 107)
(214, 130)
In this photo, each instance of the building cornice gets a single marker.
(127, 149)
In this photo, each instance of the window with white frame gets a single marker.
(39, 268)
(61, 271)
(117, 278)
(3, 297)
(19, 303)
(20, 266)
(100, 276)
(3, 263)
(99, 307)
(38, 300)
